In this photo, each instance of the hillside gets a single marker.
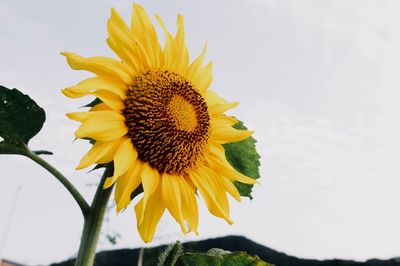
(129, 257)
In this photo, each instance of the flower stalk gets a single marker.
(93, 214)
(93, 222)
(60, 177)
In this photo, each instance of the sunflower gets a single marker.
(159, 124)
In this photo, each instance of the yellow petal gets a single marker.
(132, 66)
(227, 134)
(189, 205)
(196, 66)
(216, 104)
(102, 129)
(203, 77)
(126, 184)
(228, 186)
(101, 66)
(220, 108)
(100, 107)
(217, 160)
(145, 33)
(150, 179)
(169, 48)
(82, 116)
(176, 54)
(181, 50)
(124, 44)
(79, 116)
(212, 98)
(203, 182)
(148, 215)
(224, 120)
(124, 157)
(110, 99)
(108, 157)
(96, 83)
(172, 198)
(220, 190)
(98, 150)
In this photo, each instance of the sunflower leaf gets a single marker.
(21, 119)
(220, 257)
(243, 156)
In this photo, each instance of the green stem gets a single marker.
(60, 177)
(93, 222)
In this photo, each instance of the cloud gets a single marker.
(317, 81)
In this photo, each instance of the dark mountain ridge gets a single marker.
(129, 257)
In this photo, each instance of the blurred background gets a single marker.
(317, 80)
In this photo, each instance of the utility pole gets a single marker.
(8, 223)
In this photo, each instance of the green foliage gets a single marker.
(170, 254)
(42, 152)
(98, 166)
(21, 119)
(243, 156)
(198, 259)
(173, 255)
(137, 191)
(93, 103)
(219, 257)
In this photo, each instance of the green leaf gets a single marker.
(93, 103)
(219, 257)
(98, 166)
(42, 152)
(198, 259)
(243, 156)
(136, 192)
(21, 119)
(242, 259)
(170, 254)
(218, 252)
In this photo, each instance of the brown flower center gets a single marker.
(168, 121)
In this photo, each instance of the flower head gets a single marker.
(159, 124)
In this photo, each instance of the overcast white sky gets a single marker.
(317, 80)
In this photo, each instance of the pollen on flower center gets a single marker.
(167, 120)
(182, 113)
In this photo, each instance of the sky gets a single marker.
(318, 81)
